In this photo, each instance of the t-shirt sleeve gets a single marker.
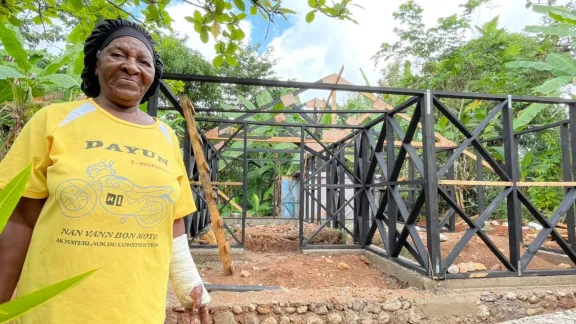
(185, 204)
(32, 146)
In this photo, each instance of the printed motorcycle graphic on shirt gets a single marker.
(116, 194)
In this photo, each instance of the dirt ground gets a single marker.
(284, 238)
(299, 271)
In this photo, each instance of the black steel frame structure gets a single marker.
(383, 207)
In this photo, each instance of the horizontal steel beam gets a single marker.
(356, 88)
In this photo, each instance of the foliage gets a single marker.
(483, 64)
(219, 19)
(415, 40)
(9, 198)
(25, 86)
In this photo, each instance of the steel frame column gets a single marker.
(301, 191)
(512, 166)
(391, 207)
(431, 184)
(481, 189)
(567, 176)
(245, 183)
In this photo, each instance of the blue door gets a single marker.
(290, 195)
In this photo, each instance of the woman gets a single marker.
(108, 191)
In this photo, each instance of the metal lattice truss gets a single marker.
(384, 202)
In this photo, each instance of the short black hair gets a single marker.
(90, 85)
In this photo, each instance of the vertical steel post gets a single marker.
(567, 176)
(245, 184)
(391, 206)
(319, 192)
(362, 174)
(152, 104)
(431, 184)
(512, 201)
(301, 190)
(187, 156)
(342, 195)
(480, 177)
(312, 189)
(452, 221)
(307, 207)
(357, 203)
(329, 191)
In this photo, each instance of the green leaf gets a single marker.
(35, 58)
(15, 21)
(237, 35)
(527, 115)
(232, 47)
(364, 77)
(7, 72)
(220, 47)
(241, 16)
(19, 306)
(246, 103)
(253, 10)
(218, 60)
(540, 66)
(526, 161)
(204, 35)
(310, 16)
(553, 84)
(198, 15)
(190, 19)
(564, 63)
(14, 46)
(78, 63)
(562, 30)
(75, 35)
(63, 81)
(264, 98)
(231, 60)
(10, 195)
(240, 5)
(287, 11)
(77, 4)
(498, 152)
(312, 3)
(326, 119)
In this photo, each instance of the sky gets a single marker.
(309, 52)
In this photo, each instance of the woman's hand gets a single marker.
(202, 312)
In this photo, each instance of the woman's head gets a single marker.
(120, 63)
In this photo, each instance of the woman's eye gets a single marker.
(145, 63)
(117, 55)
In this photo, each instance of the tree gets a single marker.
(217, 18)
(481, 65)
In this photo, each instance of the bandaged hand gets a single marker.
(185, 278)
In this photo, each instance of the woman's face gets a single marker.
(125, 71)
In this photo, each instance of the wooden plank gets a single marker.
(235, 205)
(312, 141)
(225, 183)
(475, 183)
(203, 171)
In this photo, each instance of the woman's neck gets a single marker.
(129, 114)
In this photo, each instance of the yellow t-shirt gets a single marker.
(113, 190)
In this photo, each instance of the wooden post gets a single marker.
(204, 174)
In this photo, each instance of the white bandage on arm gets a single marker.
(184, 274)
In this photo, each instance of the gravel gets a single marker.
(556, 318)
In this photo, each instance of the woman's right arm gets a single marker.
(14, 242)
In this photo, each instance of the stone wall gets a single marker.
(490, 307)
